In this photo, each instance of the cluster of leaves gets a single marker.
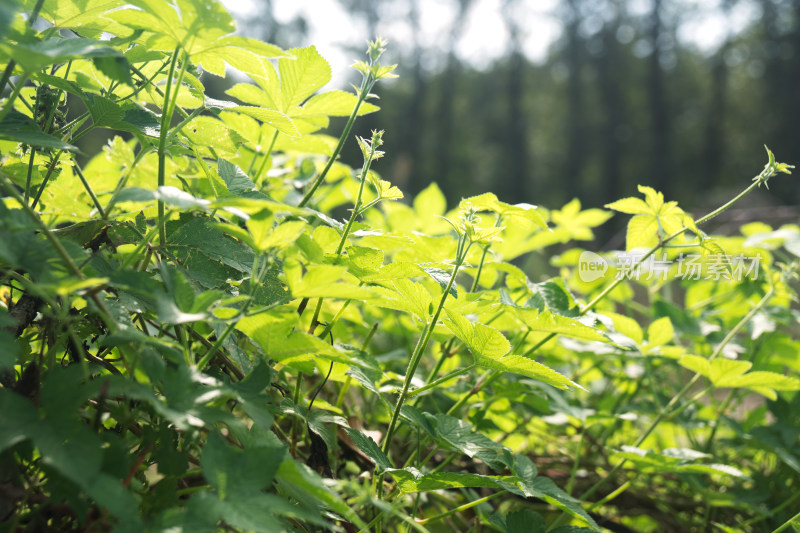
(192, 338)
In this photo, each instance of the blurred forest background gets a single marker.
(624, 94)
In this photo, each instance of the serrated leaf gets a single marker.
(552, 295)
(335, 104)
(481, 340)
(362, 260)
(302, 76)
(305, 479)
(517, 364)
(460, 435)
(411, 480)
(280, 121)
(442, 277)
(545, 489)
(237, 182)
(239, 473)
(729, 373)
(642, 232)
(38, 55)
(630, 205)
(370, 449)
(414, 296)
(141, 121)
(547, 322)
(104, 112)
(667, 461)
(660, 331)
(19, 128)
(387, 191)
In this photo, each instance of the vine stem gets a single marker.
(267, 155)
(8, 185)
(366, 86)
(166, 118)
(492, 375)
(667, 411)
(786, 524)
(416, 356)
(460, 508)
(11, 64)
(376, 141)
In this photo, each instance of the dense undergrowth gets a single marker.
(212, 324)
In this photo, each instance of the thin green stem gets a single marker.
(89, 190)
(366, 86)
(362, 180)
(786, 503)
(123, 180)
(443, 379)
(267, 156)
(162, 143)
(8, 185)
(14, 94)
(460, 508)
(255, 280)
(720, 412)
(576, 462)
(416, 356)
(29, 175)
(667, 411)
(785, 525)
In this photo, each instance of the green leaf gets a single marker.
(86, 15)
(115, 67)
(141, 121)
(654, 219)
(442, 277)
(631, 206)
(734, 374)
(480, 339)
(370, 449)
(517, 364)
(364, 261)
(335, 104)
(280, 121)
(104, 112)
(575, 224)
(642, 232)
(387, 191)
(547, 322)
(302, 76)
(169, 312)
(544, 488)
(553, 295)
(7, 12)
(235, 179)
(395, 270)
(459, 435)
(414, 297)
(411, 480)
(17, 127)
(303, 478)
(9, 349)
(673, 460)
(38, 55)
(326, 281)
(628, 327)
(235, 473)
(660, 331)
